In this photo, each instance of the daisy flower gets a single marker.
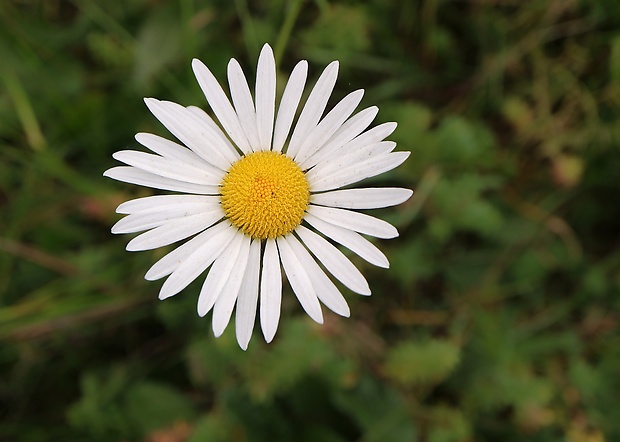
(259, 194)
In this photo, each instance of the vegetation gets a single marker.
(498, 319)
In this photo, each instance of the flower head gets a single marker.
(257, 194)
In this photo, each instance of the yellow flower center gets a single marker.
(265, 194)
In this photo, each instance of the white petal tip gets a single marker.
(318, 319)
(268, 339)
(365, 291)
(408, 193)
(390, 233)
(269, 333)
(150, 277)
(165, 294)
(243, 342)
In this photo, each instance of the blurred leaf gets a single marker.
(450, 425)
(215, 427)
(614, 60)
(113, 407)
(378, 411)
(99, 412)
(419, 363)
(343, 28)
(151, 406)
(461, 205)
(158, 44)
(464, 142)
(270, 371)
(518, 113)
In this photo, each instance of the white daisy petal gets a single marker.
(174, 231)
(358, 172)
(169, 149)
(242, 99)
(347, 132)
(265, 96)
(225, 303)
(334, 261)
(288, 104)
(218, 275)
(338, 162)
(372, 136)
(165, 202)
(196, 263)
(221, 106)
(173, 169)
(351, 240)
(300, 281)
(128, 174)
(314, 107)
(358, 222)
(137, 222)
(190, 130)
(362, 198)
(325, 289)
(248, 298)
(170, 262)
(270, 290)
(218, 139)
(329, 125)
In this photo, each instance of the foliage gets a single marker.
(499, 317)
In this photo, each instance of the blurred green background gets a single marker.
(498, 319)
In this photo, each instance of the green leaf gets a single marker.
(378, 411)
(340, 27)
(614, 60)
(151, 406)
(420, 363)
(464, 142)
(160, 35)
(215, 427)
(448, 425)
(99, 412)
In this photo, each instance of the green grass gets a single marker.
(498, 319)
